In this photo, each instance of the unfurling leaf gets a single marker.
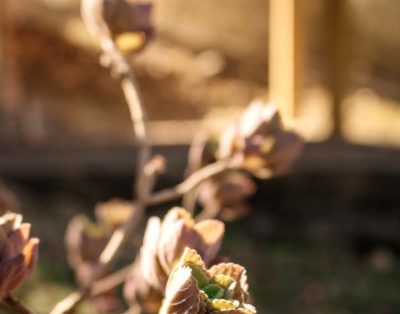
(191, 289)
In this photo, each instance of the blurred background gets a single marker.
(324, 239)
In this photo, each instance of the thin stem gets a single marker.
(144, 179)
(120, 66)
(190, 183)
(111, 281)
(189, 201)
(210, 211)
(139, 121)
(114, 245)
(68, 303)
(15, 306)
(142, 184)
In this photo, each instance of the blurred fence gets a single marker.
(63, 98)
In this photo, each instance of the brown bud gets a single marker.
(84, 241)
(259, 143)
(229, 191)
(164, 243)
(113, 213)
(18, 253)
(126, 16)
(128, 22)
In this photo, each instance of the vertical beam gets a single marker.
(285, 54)
(338, 57)
(2, 40)
(11, 89)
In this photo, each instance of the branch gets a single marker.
(69, 303)
(210, 211)
(120, 67)
(188, 185)
(144, 179)
(143, 182)
(117, 239)
(111, 281)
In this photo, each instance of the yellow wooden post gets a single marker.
(338, 57)
(285, 54)
(2, 34)
(10, 86)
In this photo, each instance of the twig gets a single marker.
(67, 304)
(99, 287)
(190, 183)
(114, 245)
(143, 183)
(111, 281)
(145, 177)
(163, 196)
(117, 239)
(189, 201)
(15, 306)
(210, 211)
(120, 66)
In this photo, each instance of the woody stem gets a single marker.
(144, 176)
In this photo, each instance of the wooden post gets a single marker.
(285, 54)
(338, 58)
(10, 87)
(2, 54)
